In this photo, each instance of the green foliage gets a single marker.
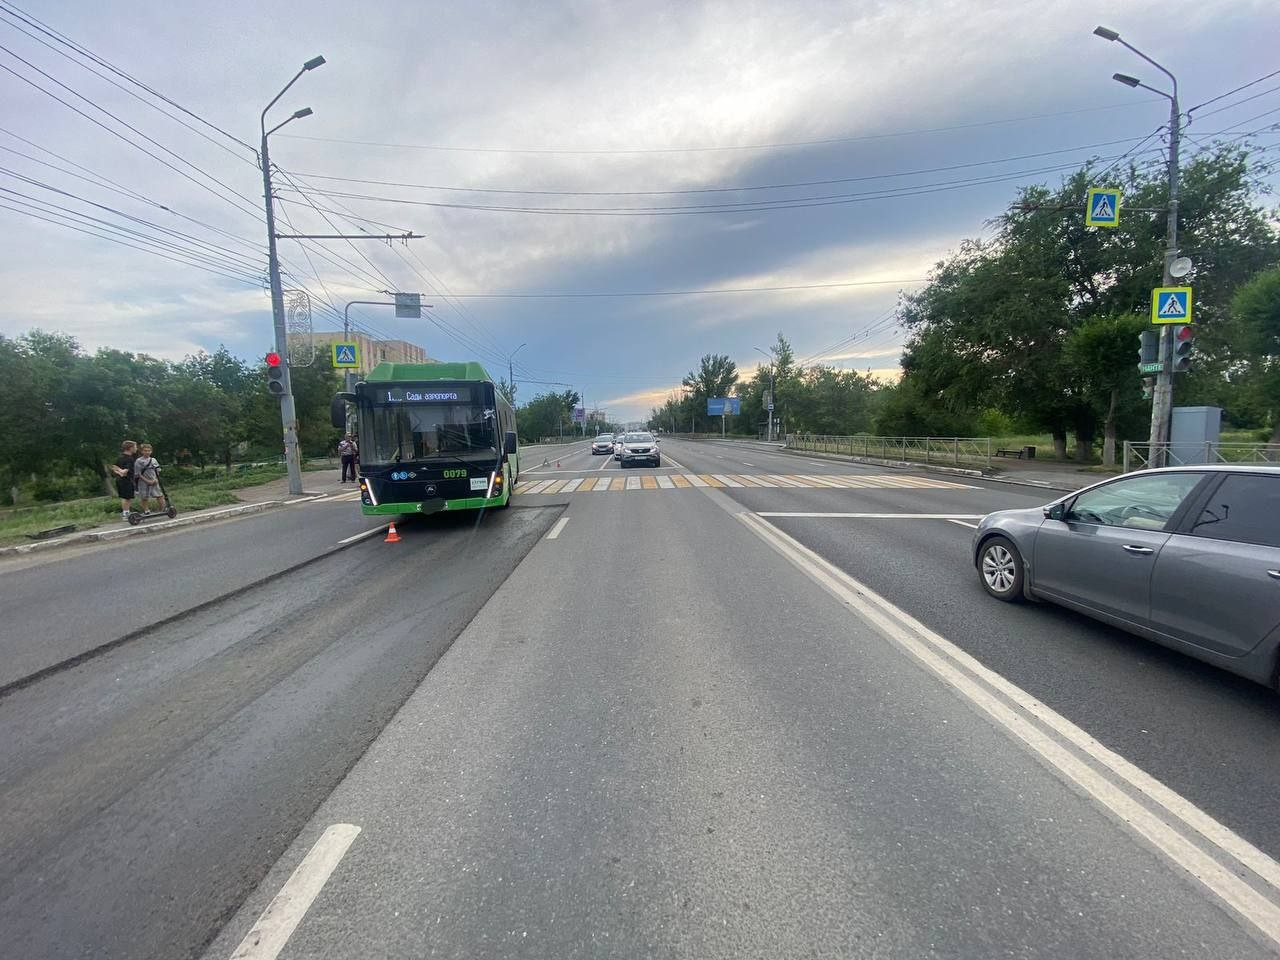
(65, 412)
(547, 415)
(1041, 323)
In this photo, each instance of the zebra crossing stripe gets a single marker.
(727, 481)
(665, 483)
(571, 486)
(694, 479)
(709, 481)
(680, 481)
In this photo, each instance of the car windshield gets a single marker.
(639, 438)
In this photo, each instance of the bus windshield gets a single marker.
(403, 432)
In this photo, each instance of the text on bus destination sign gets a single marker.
(427, 395)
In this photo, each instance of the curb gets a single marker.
(121, 533)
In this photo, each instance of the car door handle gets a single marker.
(1274, 574)
(1134, 548)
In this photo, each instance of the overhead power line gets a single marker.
(746, 146)
(754, 206)
(62, 38)
(1243, 86)
(682, 293)
(720, 189)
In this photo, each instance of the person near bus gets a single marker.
(348, 451)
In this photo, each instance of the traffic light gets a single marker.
(1149, 352)
(275, 374)
(1183, 340)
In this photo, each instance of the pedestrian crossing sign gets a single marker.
(346, 355)
(1171, 305)
(1102, 207)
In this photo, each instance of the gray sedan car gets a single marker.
(1186, 556)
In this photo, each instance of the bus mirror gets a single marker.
(338, 410)
(509, 444)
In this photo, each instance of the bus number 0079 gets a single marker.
(451, 474)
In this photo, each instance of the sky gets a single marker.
(616, 139)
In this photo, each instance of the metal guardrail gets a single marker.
(946, 450)
(1143, 456)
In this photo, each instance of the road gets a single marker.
(661, 728)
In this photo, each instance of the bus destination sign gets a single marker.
(453, 394)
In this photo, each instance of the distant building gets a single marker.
(372, 352)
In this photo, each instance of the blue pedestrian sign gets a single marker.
(346, 355)
(1102, 207)
(1171, 305)
(722, 406)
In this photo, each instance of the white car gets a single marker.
(640, 448)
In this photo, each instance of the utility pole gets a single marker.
(288, 413)
(1162, 395)
(772, 399)
(288, 410)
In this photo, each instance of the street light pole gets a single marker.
(288, 412)
(1162, 395)
(772, 400)
(511, 377)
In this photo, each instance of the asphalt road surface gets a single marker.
(641, 713)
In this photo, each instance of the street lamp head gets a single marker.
(304, 112)
(319, 62)
(1127, 80)
(1105, 34)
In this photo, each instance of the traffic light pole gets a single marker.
(1162, 395)
(288, 414)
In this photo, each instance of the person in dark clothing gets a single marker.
(348, 451)
(123, 471)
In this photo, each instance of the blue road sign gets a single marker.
(720, 406)
(1102, 207)
(346, 355)
(1171, 305)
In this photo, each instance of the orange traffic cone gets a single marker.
(392, 536)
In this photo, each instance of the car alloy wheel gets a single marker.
(1001, 569)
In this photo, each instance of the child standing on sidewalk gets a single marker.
(146, 479)
(123, 471)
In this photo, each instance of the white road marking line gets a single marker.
(672, 461)
(878, 516)
(666, 483)
(607, 460)
(696, 480)
(979, 685)
(963, 523)
(285, 912)
(745, 464)
(571, 486)
(633, 483)
(294, 503)
(538, 486)
(361, 536)
(556, 528)
(727, 481)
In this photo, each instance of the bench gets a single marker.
(1003, 452)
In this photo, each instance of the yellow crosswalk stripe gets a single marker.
(821, 481)
(726, 481)
(710, 481)
(556, 486)
(747, 480)
(649, 482)
(694, 480)
(801, 481)
(680, 481)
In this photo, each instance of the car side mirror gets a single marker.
(1055, 511)
(509, 443)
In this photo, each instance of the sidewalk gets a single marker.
(265, 496)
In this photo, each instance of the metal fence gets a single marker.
(1141, 456)
(946, 450)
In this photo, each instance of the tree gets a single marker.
(715, 377)
(1101, 356)
(1255, 329)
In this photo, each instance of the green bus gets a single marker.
(433, 436)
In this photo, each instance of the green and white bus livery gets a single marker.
(433, 436)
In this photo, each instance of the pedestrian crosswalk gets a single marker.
(689, 481)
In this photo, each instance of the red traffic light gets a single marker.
(1184, 333)
(273, 359)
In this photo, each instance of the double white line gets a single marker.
(1235, 871)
